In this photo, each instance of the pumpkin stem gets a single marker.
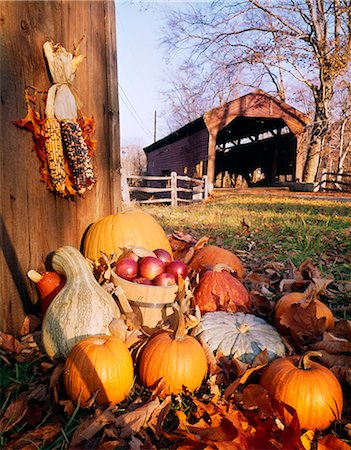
(34, 276)
(244, 327)
(304, 362)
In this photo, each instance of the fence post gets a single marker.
(323, 179)
(125, 188)
(174, 199)
(205, 178)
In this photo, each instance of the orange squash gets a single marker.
(283, 306)
(210, 255)
(308, 387)
(116, 232)
(100, 363)
(220, 291)
(48, 285)
(177, 357)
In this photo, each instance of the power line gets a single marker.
(133, 112)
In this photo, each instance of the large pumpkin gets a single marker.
(176, 357)
(115, 232)
(82, 308)
(284, 304)
(210, 255)
(99, 363)
(308, 387)
(218, 290)
(239, 335)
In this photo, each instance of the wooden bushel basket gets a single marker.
(153, 302)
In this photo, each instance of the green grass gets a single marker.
(280, 228)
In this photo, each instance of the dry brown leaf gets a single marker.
(68, 406)
(158, 416)
(10, 344)
(34, 439)
(30, 324)
(303, 325)
(88, 428)
(55, 376)
(335, 360)
(342, 329)
(261, 305)
(131, 422)
(14, 413)
(38, 393)
(332, 344)
(330, 442)
(256, 397)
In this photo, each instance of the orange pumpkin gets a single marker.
(283, 307)
(210, 255)
(177, 357)
(116, 232)
(219, 291)
(308, 387)
(99, 363)
(48, 285)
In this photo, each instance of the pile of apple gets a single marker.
(158, 270)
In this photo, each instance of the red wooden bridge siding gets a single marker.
(33, 222)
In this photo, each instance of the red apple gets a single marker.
(130, 255)
(126, 268)
(165, 279)
(178, 269)
(150, 267)
(141, 280)
(165, 256)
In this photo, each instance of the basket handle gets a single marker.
(123, 301)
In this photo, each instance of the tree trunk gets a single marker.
(322, 97)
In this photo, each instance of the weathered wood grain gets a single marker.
(33, 222)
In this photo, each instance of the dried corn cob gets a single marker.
(78, 155)
(54, 154)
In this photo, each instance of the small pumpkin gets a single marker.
(82, 308)
(239, 335)
(308, 387)
(131, 228)
(218, 290)
(177, 357)
(283, 307)
(99, 363)
(48, 285)
(210, 255)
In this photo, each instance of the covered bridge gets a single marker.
(253, 134)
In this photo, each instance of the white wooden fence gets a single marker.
(332, 181)
(174, 189)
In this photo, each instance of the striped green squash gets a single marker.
(81, 309)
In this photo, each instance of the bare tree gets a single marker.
(271, 42)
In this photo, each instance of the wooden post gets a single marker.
(125, 188)
(205, 178)
(211, 160)
(174, 199)
(35, 223)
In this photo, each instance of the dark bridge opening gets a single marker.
(256, 151)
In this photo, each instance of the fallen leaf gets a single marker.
(9, 343)
(88, 428)
(34, 439)
(332, 344)
(132, 422)
(30, 324)
(303, 325)
(55, 376)
(256, 397)
(158, 416)
(342, 329)
(14, 413)
(329, 442)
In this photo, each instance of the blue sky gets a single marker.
(141, 70)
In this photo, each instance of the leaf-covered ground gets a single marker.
(287, 244)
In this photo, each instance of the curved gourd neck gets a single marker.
(70, 262)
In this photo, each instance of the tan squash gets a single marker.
(81, 309)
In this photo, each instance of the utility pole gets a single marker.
(155, 125)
